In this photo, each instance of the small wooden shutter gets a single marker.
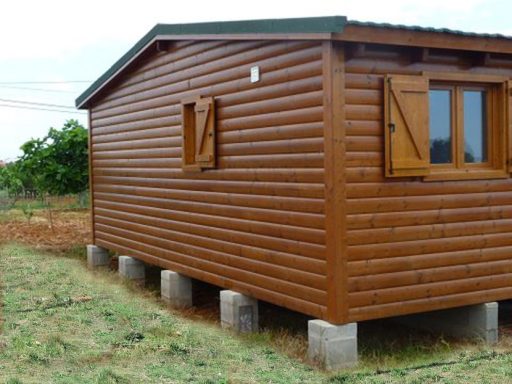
(508, 122)
(407, 151)
(205, 133)
(198, 133)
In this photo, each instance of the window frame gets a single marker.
(496, 120)
(458, 127)
(453, 126)
(491, 123)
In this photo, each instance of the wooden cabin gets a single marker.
(345, 170)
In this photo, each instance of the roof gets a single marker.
(300, 27)
(329, 24)
(417, 28)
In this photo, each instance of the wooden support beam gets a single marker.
(419, 55)
(480, 59)
(162, 46)
(353, 51)
(335, 193)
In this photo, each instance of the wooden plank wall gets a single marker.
(256, 223)
(415, 246)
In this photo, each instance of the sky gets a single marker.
(51, 51)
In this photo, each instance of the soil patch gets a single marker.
(69, 229)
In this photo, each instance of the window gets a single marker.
(198, 133)
(446, 126)
(460, 141)
(475, 125)
(440, 113)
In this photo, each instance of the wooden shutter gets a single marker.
(205, 133)
(198, 133)
(407, 151)
(507, 114)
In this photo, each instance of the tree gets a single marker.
(10, 179)
(58, 163)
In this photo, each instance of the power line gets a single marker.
(36, 103)
(36, 89)
(45, 82)
(41, 109)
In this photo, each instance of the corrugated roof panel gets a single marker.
(417, 28)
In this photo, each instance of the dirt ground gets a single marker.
(70, 228)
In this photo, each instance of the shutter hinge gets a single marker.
(391, 127)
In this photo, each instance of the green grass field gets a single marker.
(63, 324)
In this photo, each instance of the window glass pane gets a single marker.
(440, 126)
(475, 127)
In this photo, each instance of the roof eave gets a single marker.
(82, 101)
(394, 35)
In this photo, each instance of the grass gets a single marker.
(67, 202)
(65, 325)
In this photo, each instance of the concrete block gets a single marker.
(332, 346)
(133, 269)
(478, 321)
(238, 312)
(176, 289)
(97, 256)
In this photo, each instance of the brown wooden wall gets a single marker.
(414, 245)
(254, 224)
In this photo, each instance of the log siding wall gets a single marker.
(416, 246)
(256, 223)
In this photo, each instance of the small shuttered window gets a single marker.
(198, 134)
(407, 126)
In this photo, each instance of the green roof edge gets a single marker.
(329, 24)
